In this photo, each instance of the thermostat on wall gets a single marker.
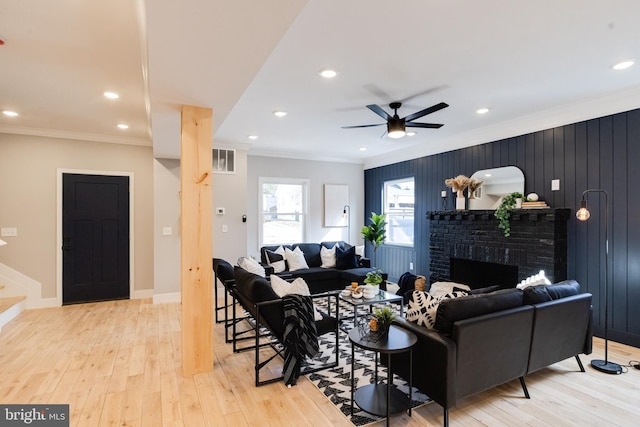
(220, 211)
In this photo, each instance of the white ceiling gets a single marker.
(534, 64)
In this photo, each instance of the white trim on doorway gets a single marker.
(60, 173)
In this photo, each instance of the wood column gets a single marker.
(196, 206)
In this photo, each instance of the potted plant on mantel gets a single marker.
(375, 233)
(503, 213)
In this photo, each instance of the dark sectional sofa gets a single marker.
(318, 278)
(486, 340)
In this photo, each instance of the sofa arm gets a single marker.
(434, 363)
(364, 262)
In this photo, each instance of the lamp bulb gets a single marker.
(583, 214)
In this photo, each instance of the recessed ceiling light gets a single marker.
(624, 64)
(10, 113)
(111, 95)
(280, 113)
(482, 110)
(328, 73)
(487, 175)
(411, 133)
(123, 126)
(253, 137)
(363, 148)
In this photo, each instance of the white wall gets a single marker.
(229, 192)
(28, 196)
(166, 206)
(318, 173)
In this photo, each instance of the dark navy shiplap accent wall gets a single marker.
(599, 153)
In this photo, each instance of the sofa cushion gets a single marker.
(314, 274)
(346, 258)
(328, 256)
(486, 290)
(276, 259)
(274, 248)
(355, 274)
(423, 307)
(295, 259)
(252, 286)
(251, 265)
(452, 310)
(543, 293)
(311, 253)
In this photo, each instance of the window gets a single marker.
(399, 201)
(283, 207)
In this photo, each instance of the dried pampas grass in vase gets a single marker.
(458, 184)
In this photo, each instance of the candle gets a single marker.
(443, 194)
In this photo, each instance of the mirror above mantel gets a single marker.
(498, 183)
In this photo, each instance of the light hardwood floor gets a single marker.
(118, 363)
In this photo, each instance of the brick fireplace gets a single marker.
(538, 241)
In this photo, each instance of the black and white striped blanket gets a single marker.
(300, 334)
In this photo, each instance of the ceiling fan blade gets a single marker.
(379, 111)
(362, 126)
(424, 92)
(426, 111)
(423, 125)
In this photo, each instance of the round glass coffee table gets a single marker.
(383, 400)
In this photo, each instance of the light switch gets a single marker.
(225, 228)
(9, 232)
(555, 184)
(167, 231)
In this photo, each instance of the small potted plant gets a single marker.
(503, 213)
(383, 317)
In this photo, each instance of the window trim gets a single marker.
(305, 183)
(385, 183)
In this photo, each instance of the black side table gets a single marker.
(383, 399)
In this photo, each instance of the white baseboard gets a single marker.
(145, 293)
(168, 297)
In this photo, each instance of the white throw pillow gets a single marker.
(328, 257)
(423, 307)
(360, 250)
(281, 287)
(442, 288)
(251, 265)
(295, 259)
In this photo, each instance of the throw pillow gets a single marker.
(423, 307)
(442, 288)
(360, 250)
(251, 265)
(276, 259)
(295, 259)
(328, 257)
(346, 258)
(281, 287)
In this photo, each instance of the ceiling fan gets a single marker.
(396, 126)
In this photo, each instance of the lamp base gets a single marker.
(606, 367)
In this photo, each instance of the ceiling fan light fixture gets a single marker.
(396, 129)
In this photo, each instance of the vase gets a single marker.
(460, 203)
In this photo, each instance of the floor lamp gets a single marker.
(583, 214)
(346, 213)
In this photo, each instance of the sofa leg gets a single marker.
(524, 388)
(446, 417)
(579, 363)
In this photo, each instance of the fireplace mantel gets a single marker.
(538, 241)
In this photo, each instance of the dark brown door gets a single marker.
(95, 238)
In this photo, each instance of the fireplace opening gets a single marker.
(478, 274)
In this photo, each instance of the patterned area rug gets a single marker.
(335, 383)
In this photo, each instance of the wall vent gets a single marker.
(224, 161)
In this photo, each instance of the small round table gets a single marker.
(383, 399)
